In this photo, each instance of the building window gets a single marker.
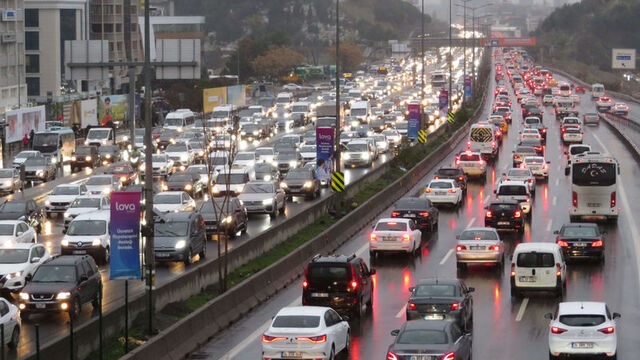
(32, 64)
(96, 28)
(33, 86)
(32, 40)
(31, 18)
(118, 28)
(118, 9)
(108, 28)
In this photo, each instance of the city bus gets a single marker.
(57, 142)
(594, 187)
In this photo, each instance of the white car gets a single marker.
(244, 159)
(394, 235)
(22, 156)
(572, 135)
(393, 137)
(264, 197)
(444, 191)
(173, 201)
(538, 165)
(582, 328)
(308, 153)
(265, 154)
(10, 319)
(16, 231)
(306, 332)
(161, 165)
(19, 260)
(521, 174)
(382, 144)
(291, 86)
(472, 164)
(84, 204)
(529, 133)
(479, 245)
(102, 184)
(181, 153)
(62, 196)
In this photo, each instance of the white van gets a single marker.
(98, 136)
(597, 90)
(482, 139)
(284, 99)
(180, 120)
(565, 89)
(88, 234)
(538, 266)
(361, 110)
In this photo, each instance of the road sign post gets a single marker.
(623, 59)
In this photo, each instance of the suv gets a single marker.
(341, 282)
(179, 236)
(301, 182)
(85, 156)
(62, 284)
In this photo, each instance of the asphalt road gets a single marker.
(504, 328)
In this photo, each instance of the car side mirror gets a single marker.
(35, 259)
(84, 278)
(345, 318)
(548, 316)
(395, 332)
(28, 277)
(20, 233)
(616, 315)
(64, 231)
(471, 289)
(412, 289)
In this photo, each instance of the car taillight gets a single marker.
(494, 248)
(406, 237)
(449, 356)
(481, 162)
(557, 330)
(530, 180)
(456, 306)
(436, 177)
(517, 214)
(305, 284)
(493, 144)
(461, 248)
(313, 339)
(562, 243)
(354, 285)
(468, 144)
(489, 214)
(513, 269)
(392, 356)
(574, 199)
(373, 237)
(424, 214)
(558, 269)
(597, 243)
(453, 191)
(427, 190)
(607, 330)
(460, 178)
(613, 199)
(395, 213)
(412, 306)
(269, 339)
(457, 161)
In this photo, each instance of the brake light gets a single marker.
(313, 339)
(574, 199)
(395, 213)
(354, 285)
(563, 243)
(412, 306)
(269, 339)
(391, 356)
(517, 214)
(461, 248)
(494, 248)
(613, 199)
(513, 269)
(489, 214)
(436, 177)
(406, 237)
(607, 330)
(453, 191)
(428, 190)
(597, 243)
(449, 356)
(557, 330)
(493, 144)
(424, 214)
(468, 144)
(558, 269)
(481, 162)
(305, 284)
(460, 178)
(456, 306)
(373, 237)
(530, 180)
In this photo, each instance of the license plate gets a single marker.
(319, 294)
(503, 223)
(434, 317)
(388, 238)
(441, 193)
(41, 306)
(476, 247)
(420, 357)
(580, 244)
(527, 279)
(408, 215)
(593, 204)
(291, 354)
(162, 255)
(79, 252)
(582, 345)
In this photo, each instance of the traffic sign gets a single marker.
(623, 59)
(451, 117)
(337, 181)
(422, 136)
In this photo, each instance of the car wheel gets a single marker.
(347, 344)
(203, 252)
(106, 256)
(284, 207)
(332, 353)
(75, 309)
(15, 338)
(188, 260)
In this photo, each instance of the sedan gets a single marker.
(420, 210)
(306, 332)
(188, 182)
(301, 182)
(581, 240)
(455, 173)
(11, 322)
(173, 201)
(572, 135)
(538, 165)
(27, 210)
(19, 261)
(479, 245)
(521, 174)
(444, 191)
(441, 299)
(226, 215)
(620, 109)
(582, 328)
(264, 197)
(438, 339)
(16, 231)
(394, 235)
(39, 169)
(124, 172)
(10, 181)
(103, 184)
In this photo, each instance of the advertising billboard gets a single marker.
(124, 231)
(113, 109)
(414, 121)
(84, 113)
(22, 121)
(213, 97)
(325, 139)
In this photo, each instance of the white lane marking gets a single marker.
(557, 181)
(446, 257)
(402, 312)
(471, 222)
(523, 307)
(554, 200)
(549, 225)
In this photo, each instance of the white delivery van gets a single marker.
(88, 233)
(597, 90)
(482, 139)
(180, 120)
(361, 110)
(538, 266)
(98, 136)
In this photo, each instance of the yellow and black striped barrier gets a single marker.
(422, 136)
(337, 182)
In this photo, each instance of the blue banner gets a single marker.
(414, 121)
(467, 87)
(124, 231)
(325, 138)
(443, 99)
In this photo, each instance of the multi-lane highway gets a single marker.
(504, 328)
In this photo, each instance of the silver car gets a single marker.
(264, 197)
(479, 245)
(521, 174)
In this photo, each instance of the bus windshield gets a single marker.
(593, 174)
(45, 139)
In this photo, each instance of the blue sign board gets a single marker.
(443, 99)
(325, 139)
(467, 87)
(413, 121)
(124, 231)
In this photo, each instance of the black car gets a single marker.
(440, 339)
(301, 182)
(581, 241)
(420, 209)
(109, 154)
(440, 299)
(504, 214)
(179, 236)
(229, 212)
(27, 210)
(62, 284)
(338, 281)
(536, 144)
(185, 181)
(454, 173)
(85, 156)
(39, 169)
(251, 132)
(166, 138)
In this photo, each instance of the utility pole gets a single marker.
(422, 124)
(131, 70)
(450, 58)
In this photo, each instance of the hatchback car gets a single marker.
(479, 245)
(306, 332)
(179, 236)
(420, 210)
(581, 240)
(394, 235)
(472, 164)
(504, 214)
(264, 197)
(582, 328)
(444, 191)
(538, 165)
(440, 299)
(520, 174)
(454, 173)
(18, 262)
(437, 339)
(173, 201)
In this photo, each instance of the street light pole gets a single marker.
(422, 80)
(450, 57)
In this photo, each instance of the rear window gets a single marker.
(448, 172)
(391, 226)
(579, 150)
(411, 337)
(436, 290)
(503, 207)
(535, 260)
(328, 273)
(512, 190)
(469, 157)
(582, 319)
(296, 321)
(440, 185)
(579, 231)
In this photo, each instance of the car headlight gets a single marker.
(255, 132)
(240, 188)
(171, 140)
(365, 155)
(293, 163)
(346, 156)
(184, 157)
(165, 187)
(180, 244)
(24, 296)
(96, 242)
(215, 190)
(227, 219)
(283, 185)
(64, 242)
(67, 215)
(63, 295)
(87, 158)
(73, 158)
(40, 173)
(54, 159)
(106, 191)
(47, 202)
(267, 201)
(7, 183)
(13, 275)
(123, 178)
(308, 184)
(188, 187)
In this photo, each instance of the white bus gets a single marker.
(594, 187)
(57, 142)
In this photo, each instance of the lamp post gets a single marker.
(473, 31)
(450, 57)
(422, 80)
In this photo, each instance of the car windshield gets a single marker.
(298, 175)
(13, 207)
(233, 178)
(26, 155)
(171, 228)
(218, 160)
(359, 147)
(180, 178)
(159, 158)
(14, 256)
(296, 321)
(260, 152)
(176, 148)
(420, 336)
(512, 190)
(245, 156)
(503, 207)
(440, 185)
(519, 172)
(575, 231)
(259, 188)
(87, 227)
(98, 133)
(108, 149)
(35, 161)
(535, 259)
(478, 234)
(391, 226)
(120, 169)
(412, 204)
(86, 202)
(197, 170)
(287, 156)
(326, 273)
(582, 319)
(435, 290)
(220, 204)
(6, 173)
(449, 172)
(6, 229)
(55, 273)
(167, 199)
(469, 157)
(307, 149)
(533, 161)
(173, 122)
(99, 180)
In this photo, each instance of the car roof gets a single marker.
(66, 260)
(303, 310)
(92, 196)
(578, 225)
(536, 246)
(18, 245)
(176, 216)
(427, 325)
(94, 215)
(512, 183)
(582, 307)
(434, 281)
(504, 201)
(480, 228)
(11, 222)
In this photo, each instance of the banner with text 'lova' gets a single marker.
(125, 236)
